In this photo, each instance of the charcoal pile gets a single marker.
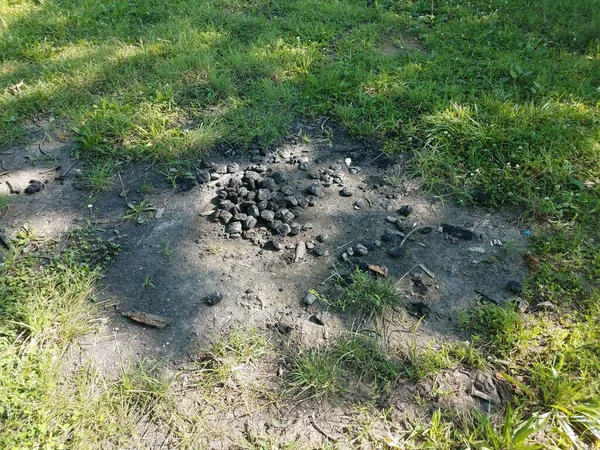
(259, 204)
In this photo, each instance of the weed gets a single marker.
(366, 294)
(365, 356)
(4, 202)
(214, 249)
(501, 325)
(513, 435)
(233, 355)
(138, 213)
(166, 250)
(148, 282)
(316, 374)
(100, 176)
(146, 188)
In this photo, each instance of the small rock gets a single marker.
(250, 222)
(310, 245)
(291, 200)
(220, 169)
(203, 176)
(213, 299)
(307, 226)
(279, 177)
(278, 242)
(377, 243)
(322, 238)
(225, 216)
(288, 190)
(309, 299)
(263, 194)
(283, 229)
(234, 227)
(311, 200)
(316, 191)
(405, 210)
(267, 215)
(303, 166)
(514, 287)
(314, 175)
(391, 219)
(321, 318)
(269, 183)
(300, 251)
(359, 203)
(287, 216)
(233, 167)
(251, 175)
(262, 205)
(240, 217)
(459, 232)
(346, 192)
(34, 186)
(320, 250)
(396, 252)
(350, 251)
(295, 228)
(361, 250)
(253, 211)
(477, 249)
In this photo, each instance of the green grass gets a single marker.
(99, 177)
(498, 326)
(365, 294)
(4, 202)
(316, 374)
(501, 98)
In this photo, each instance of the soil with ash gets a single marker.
(206, 277)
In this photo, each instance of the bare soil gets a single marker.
(262, 286)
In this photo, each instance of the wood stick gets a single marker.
(146, 318)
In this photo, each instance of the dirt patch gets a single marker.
(181, 255)
(393, 45)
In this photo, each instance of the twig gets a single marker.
(40, 147)
(427, 271)
(69, 168)
(406, 274)
(150, 166)
(123, 191)
(11, 189)
(378, 156)
(369, 202)
(49, 170)
(321, 430)
(347, 243)
(409, 234)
